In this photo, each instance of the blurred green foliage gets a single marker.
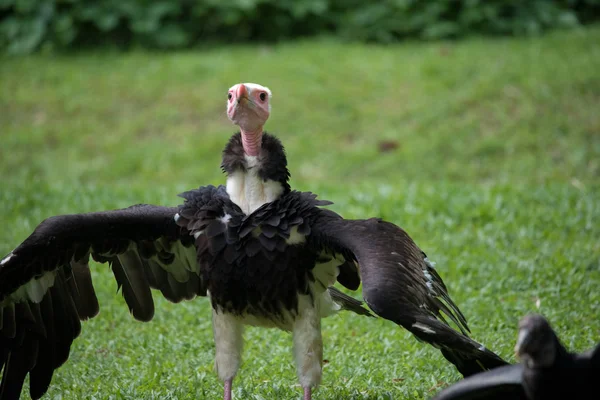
(28, 25)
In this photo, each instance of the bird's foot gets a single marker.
(227, 389)
(307, 393)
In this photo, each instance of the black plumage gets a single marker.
(547, 370)
(61, 246)
(257, 264)
(246, 270)
(401, 285)
(272, 160)
(505, 382)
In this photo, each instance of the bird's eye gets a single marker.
(229, 96)
(263, 96)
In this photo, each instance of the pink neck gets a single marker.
(252, 141)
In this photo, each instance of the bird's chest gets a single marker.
(256, 279)
(256, 261)
(249, 191)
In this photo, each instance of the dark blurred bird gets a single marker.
(264, 254)
(547, 370)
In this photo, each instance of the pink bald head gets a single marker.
(248, 106)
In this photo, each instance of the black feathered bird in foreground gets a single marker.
(265, 255)
(547, 370)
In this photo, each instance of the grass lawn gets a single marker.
(486, 151)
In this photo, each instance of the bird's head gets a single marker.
(537, 343)
(248, 106)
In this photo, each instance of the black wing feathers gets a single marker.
(81, 287)
(41, 375)
(131, 277)
(40, 321)
(57, 239)
(505, 382)
(347, 302)
(401, 285)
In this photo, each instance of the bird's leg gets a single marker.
(227, 389)
(307, 393)
(228, 333)
(308, 345)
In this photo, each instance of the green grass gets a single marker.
(495, 175)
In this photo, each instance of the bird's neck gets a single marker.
(249, 190)
(255, 180)
(252, 140)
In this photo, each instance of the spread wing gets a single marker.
(500, 383)
(402, 285)
(46, 287)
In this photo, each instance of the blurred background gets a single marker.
(474, 125)
(29, 25)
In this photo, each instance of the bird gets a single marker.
(547, 370)
(263, 254)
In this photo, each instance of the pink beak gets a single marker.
(241, 92)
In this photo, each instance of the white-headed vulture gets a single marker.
(265, 255)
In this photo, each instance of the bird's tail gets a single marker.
(466, 354)
(347, 303)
